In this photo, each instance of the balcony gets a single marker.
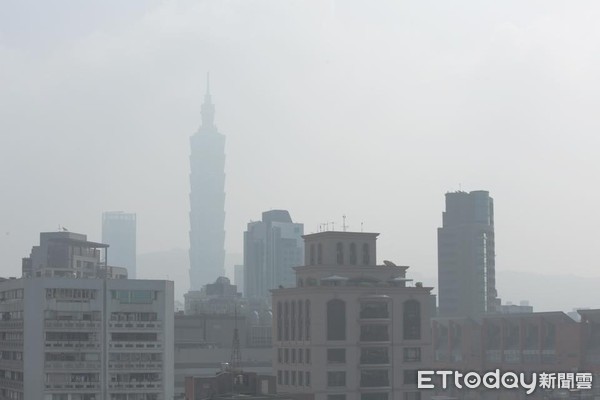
(11, 324)
(61, 344)
(11, 344)
(10, 384)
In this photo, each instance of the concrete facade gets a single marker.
(351, 329)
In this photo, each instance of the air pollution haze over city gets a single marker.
(368, 109)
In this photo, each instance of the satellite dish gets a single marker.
(389, 263)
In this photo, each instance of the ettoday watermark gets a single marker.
(505, 380)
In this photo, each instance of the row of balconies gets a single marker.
(135, 325)
(11, 344)
(69, 324)
(11, 324)
(135, 345)
(135, 385)
(136, 365)
(73, 386)
(72, 365)
(72, 344)
(10, 384)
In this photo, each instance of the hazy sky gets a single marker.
(372, 109)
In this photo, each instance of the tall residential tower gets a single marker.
(466, 256)
(272, 247)
(119, 231)
(207, 200)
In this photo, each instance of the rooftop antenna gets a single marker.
(361, 226)
(236, 355)
(344, 226)
(333, 225)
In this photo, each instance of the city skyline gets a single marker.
(505, 110)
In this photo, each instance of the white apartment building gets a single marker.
(93, 338)
(351, 329)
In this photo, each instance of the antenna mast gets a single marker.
(236, 355)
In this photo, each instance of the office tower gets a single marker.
(272, 247)
(238, 277)
(119, 232)
(351, 329)
(466, 257)
(207, 200)
(70, 333)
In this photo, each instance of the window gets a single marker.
(307, 312)
(340, 253)
(374, 378)
(336, 356)
(336, 320)
(279, 377)
(293, 378)
(300, 378)
(293, 356)
(286, 377)
(412, 320)
(293, 320)
(366, 257)
(374, 355)
(300, 320)
(308, 356)
(286, 356)
(374, 333)
(279, 321)
(286, 321)
(412, 354)
(300, 356)
(279, 355)
(374, 396)
(410, 376)
(319, 254)
(336, 378)
(307, 378)
(374, 309)
(352, 253)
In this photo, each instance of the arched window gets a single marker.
(312, 254)
(293, 321)
(300, 320)
(340, 253)
(307, 319)
(352, 253)
(412, 320)
(336, 320)
(279, 321)
(319, 254)
(286, 321)
(366, 257)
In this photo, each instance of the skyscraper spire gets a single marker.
(208, 108)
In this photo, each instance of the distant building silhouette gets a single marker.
(466, 256)
(207, 200)
(272, 247)
(119, 232)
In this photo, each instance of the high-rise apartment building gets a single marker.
(466, 256)
(207, 200)
(351, 329)
(119, 232)
(272, 247)
(69, 331)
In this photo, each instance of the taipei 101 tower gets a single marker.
(207, 199)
